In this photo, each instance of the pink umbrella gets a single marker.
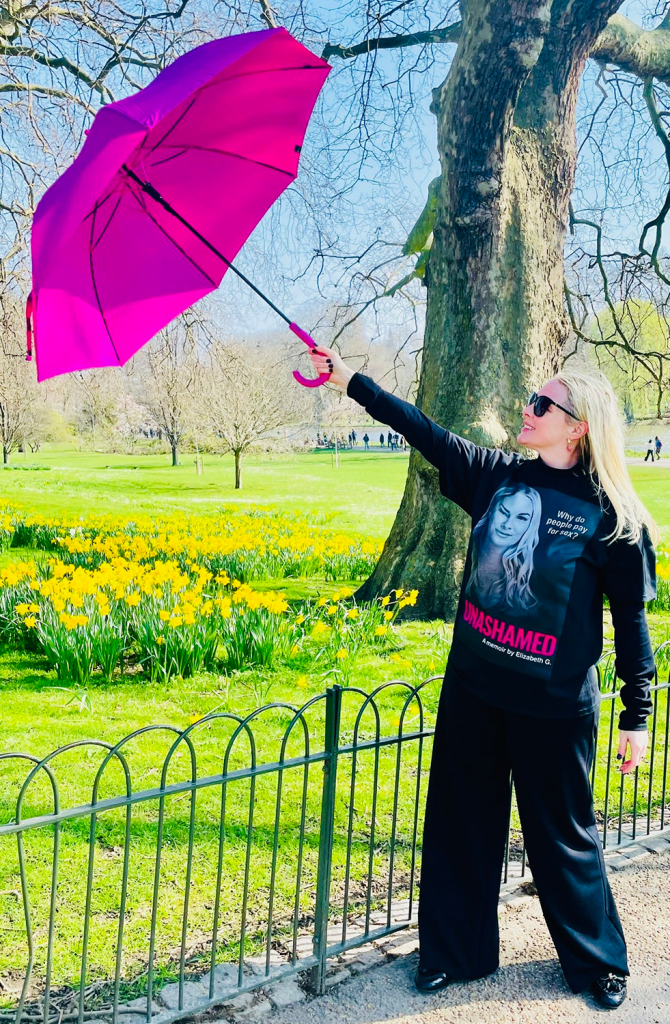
(168, 186)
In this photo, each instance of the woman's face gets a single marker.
(552, 429)
(510, 520)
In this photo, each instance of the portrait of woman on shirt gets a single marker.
(503, 542)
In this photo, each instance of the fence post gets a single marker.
(331, 744)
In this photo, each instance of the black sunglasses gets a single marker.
(541, 403)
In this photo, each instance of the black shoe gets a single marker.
(429, 979)
(609, 990)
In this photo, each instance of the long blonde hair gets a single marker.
(592, 398)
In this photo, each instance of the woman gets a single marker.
(503, 542)
(520, 674)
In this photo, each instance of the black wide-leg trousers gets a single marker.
(477, 750)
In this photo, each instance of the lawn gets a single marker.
(362, 495)
(40, 714)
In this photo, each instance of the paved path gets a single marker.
(528, 987)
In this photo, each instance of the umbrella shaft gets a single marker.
(154, 194)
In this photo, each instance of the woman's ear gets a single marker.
(579, 429)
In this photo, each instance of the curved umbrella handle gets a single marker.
(307, 382)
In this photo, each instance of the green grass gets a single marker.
(364, 492)
(363, 496)
(38, 718)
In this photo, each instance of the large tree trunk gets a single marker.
(175, 455)
(495, 319)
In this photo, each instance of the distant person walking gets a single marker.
(650, 450)
(353, 436)
(389, 440)
(381, 440)
(658, 444)
(366, 442)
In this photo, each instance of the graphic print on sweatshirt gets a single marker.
(522, 563)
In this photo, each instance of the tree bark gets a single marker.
(495, 318)
(5, 454)
(175, 455)
(238, 470)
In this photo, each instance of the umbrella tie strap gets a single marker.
(29, 327)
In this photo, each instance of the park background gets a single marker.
(175, 549)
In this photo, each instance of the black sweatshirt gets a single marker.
(529, 623)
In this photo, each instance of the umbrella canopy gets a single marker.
(167, 187)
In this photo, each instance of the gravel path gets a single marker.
(528, 987)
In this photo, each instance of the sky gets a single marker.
(603, 177)
(377, 199)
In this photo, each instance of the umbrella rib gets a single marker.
(219, 81)
(172, 127)
(95, 288)
(260, 71)
(100, 237)
(99, 204)
(169, 237)
(149, 189)
(220, 152)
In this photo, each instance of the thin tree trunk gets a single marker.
(238, 470)
(495, 320)
(5, 454)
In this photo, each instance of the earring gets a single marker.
(569, 446)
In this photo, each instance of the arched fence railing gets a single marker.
(211, 861)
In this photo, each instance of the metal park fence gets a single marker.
(211, 861)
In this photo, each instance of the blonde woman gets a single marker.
(520, 698)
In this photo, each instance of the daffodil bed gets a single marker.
(174, 596)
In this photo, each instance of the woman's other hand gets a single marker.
(327, 360)
(637, 740)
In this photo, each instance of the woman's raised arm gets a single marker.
(460, 462)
